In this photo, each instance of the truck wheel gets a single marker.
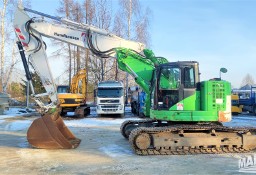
(87, 111)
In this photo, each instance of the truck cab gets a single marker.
(110, 98)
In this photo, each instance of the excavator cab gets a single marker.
(174, 82)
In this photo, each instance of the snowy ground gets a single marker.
(102, 151)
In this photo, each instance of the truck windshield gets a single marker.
(110, 92)
(63, 89)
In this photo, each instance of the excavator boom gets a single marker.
(49, 131)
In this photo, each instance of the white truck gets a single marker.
(110, 98)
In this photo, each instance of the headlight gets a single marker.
(78, 100)
(98, 106)
(120, 107)
(62, 101)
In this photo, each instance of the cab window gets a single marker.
(169, 78)
(189, 78)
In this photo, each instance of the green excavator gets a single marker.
(185, 114)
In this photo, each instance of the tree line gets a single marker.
(130, 21)
(127, 19)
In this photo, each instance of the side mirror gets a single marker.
(223, 70)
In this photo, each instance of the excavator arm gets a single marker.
(80, 77)
(102, 43)
(49, 131)
(29, 32)
(141, 67)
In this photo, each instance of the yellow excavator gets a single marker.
(236, 107)
(49, 131)
(73, 98)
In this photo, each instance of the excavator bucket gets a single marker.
(50, 132)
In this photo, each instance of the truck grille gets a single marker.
(70, 101)
(108, 108)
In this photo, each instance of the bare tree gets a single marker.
(11, 67)
(7, 41)
(134, 25)
(248, 79)
(89, 8)
(127, 24)
(142, 25)
(119, 30)
(103, 21)
(2, 50)
(65, 9)
(77, 15)
(129, 11)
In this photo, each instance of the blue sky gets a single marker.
(216, 33)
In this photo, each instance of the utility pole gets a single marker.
(129, 30)
(3, 12)
(102, 69)
(70, 58)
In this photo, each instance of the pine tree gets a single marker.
(37, 84)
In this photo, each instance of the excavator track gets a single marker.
(180, 139)
(129, 125)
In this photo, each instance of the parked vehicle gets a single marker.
(73, 99)
(236, 107)
(138, 97)
(247, 99)
(110, 98)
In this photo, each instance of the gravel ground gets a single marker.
(102, 151)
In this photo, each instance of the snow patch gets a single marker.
(89, 122)
(128, 109)
(18, 125)
(7, 116)
(14, 112)
(36, 154)
(23, 143)
(242, 121)
(115, 151)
